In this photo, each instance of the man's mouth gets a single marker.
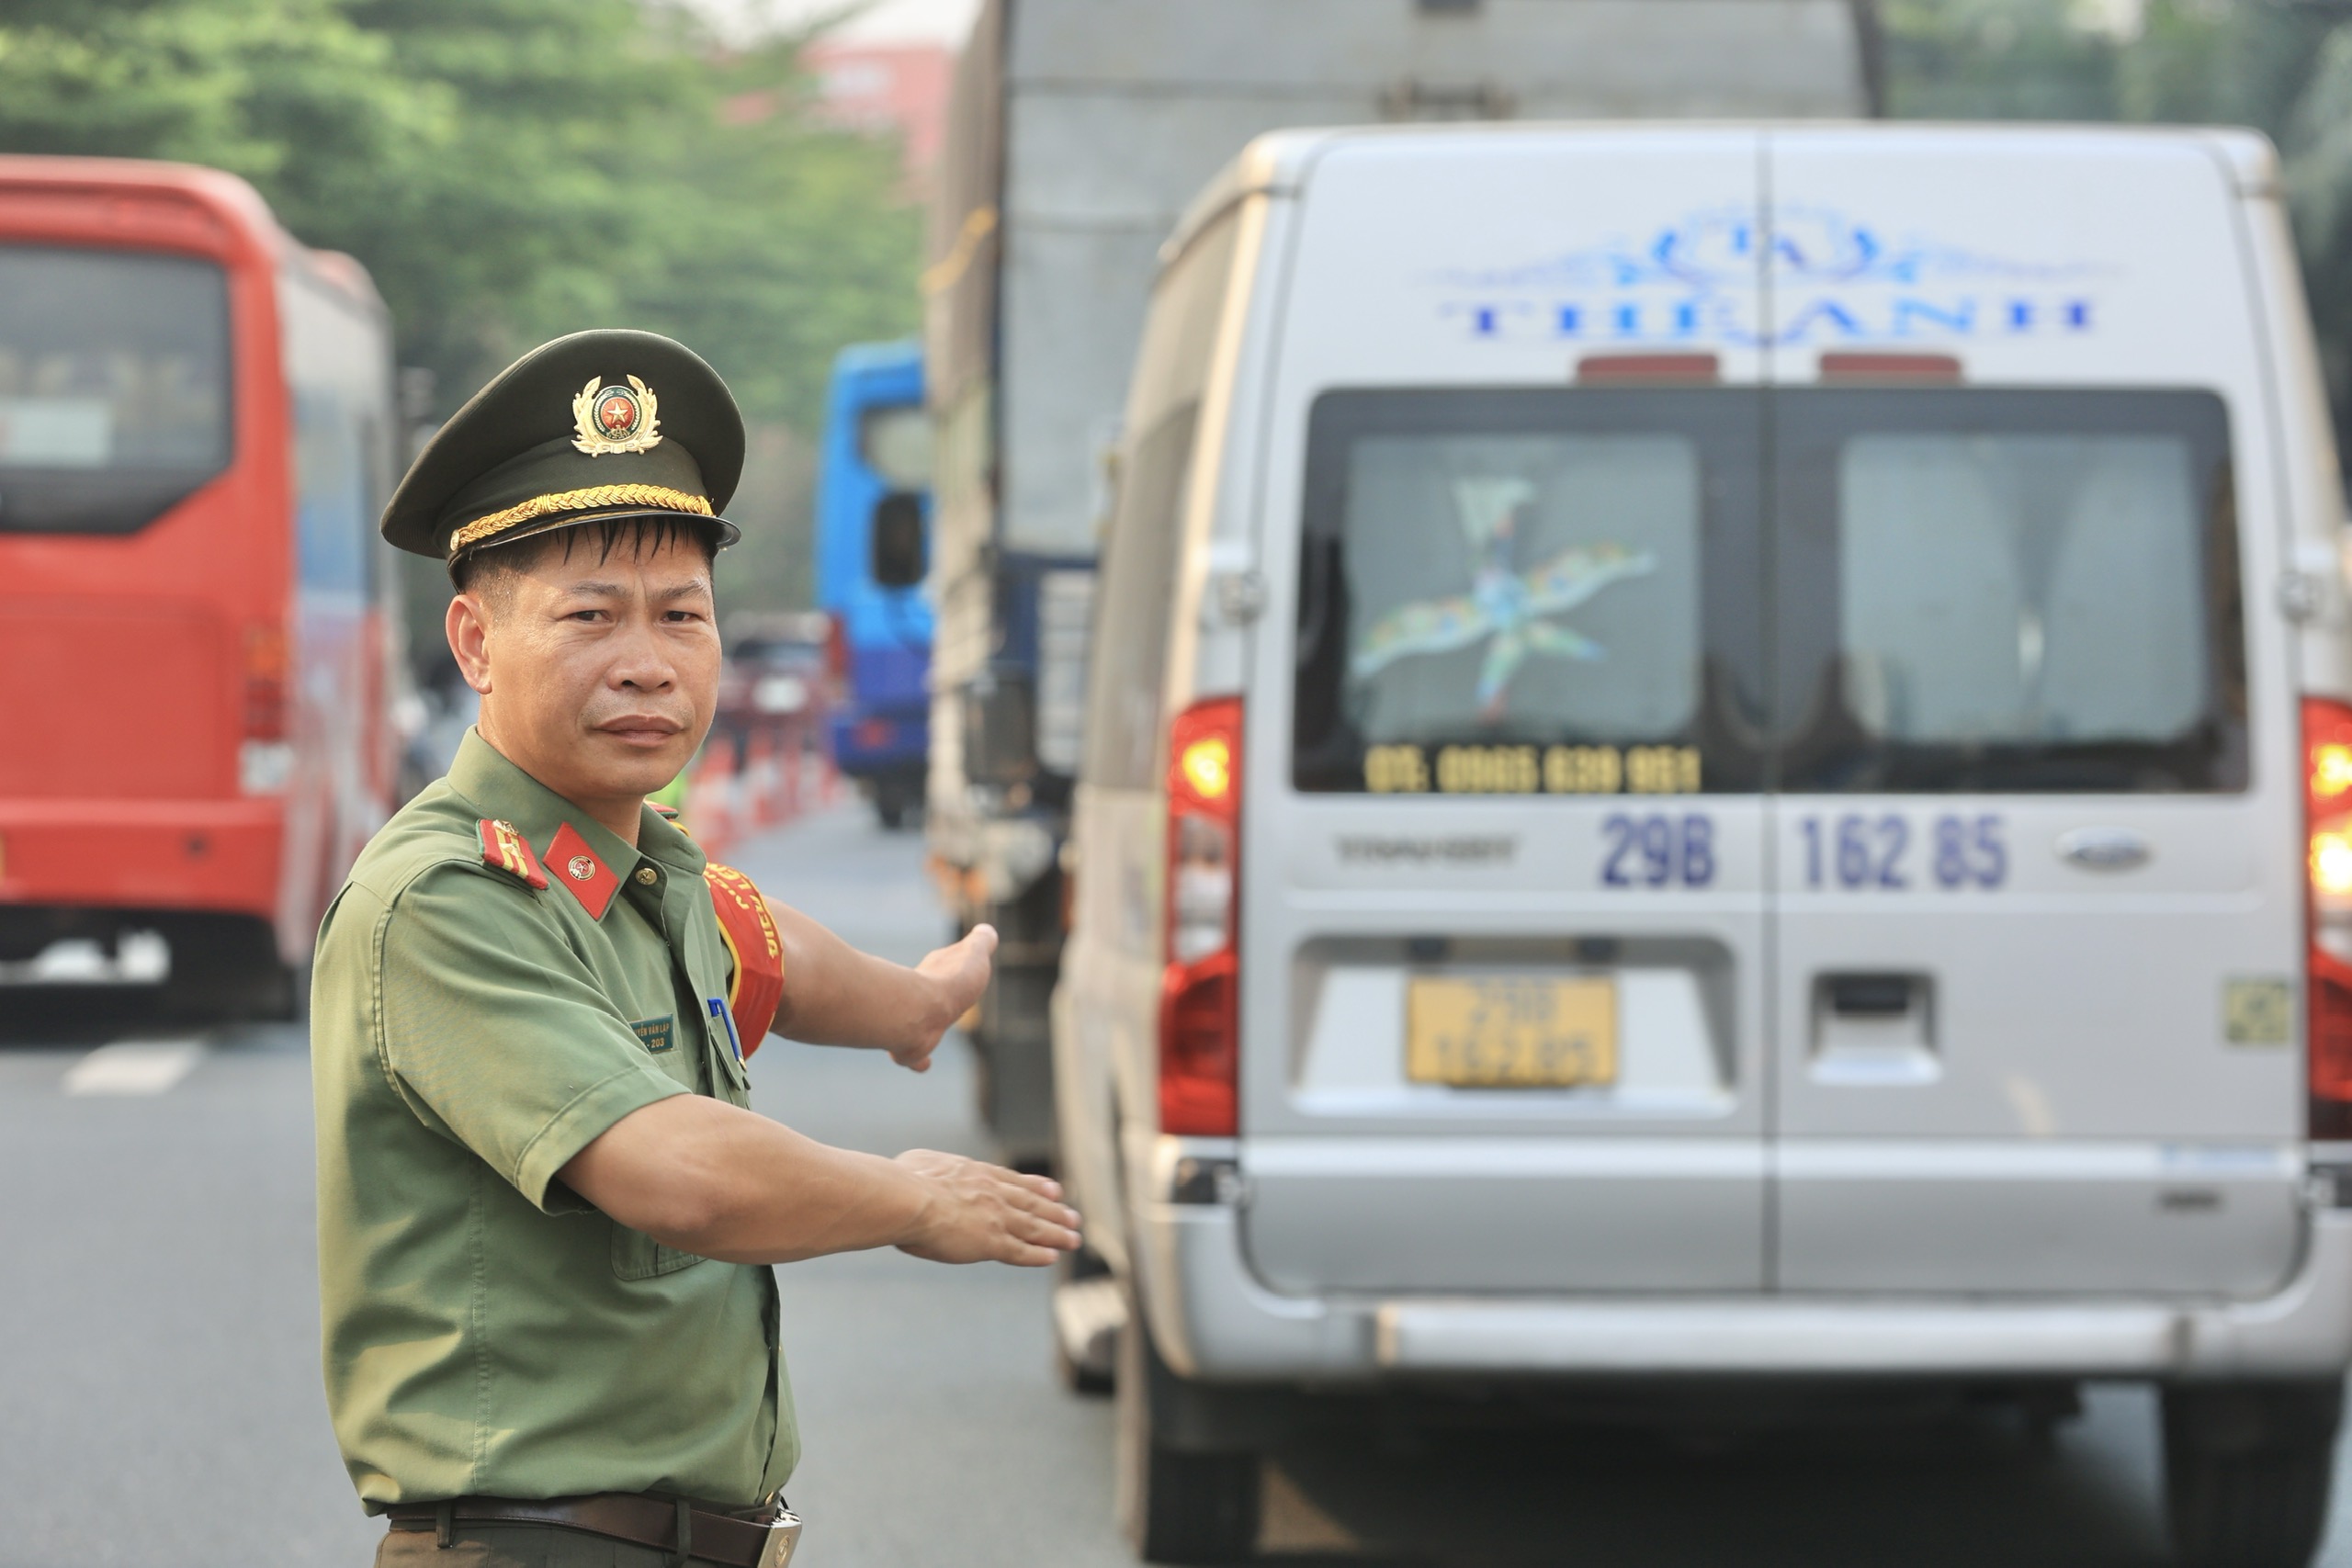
(647, 729)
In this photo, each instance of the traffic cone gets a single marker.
(759, 779)
(710, 800)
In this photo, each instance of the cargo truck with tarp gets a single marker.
(1078, 131)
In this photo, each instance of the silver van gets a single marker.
(1721, 754)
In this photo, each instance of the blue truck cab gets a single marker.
(873, 527)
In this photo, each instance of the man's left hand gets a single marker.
(956, 978)
(834, 994)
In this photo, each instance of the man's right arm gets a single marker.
(703, 1177)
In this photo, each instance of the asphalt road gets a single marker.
(159, 1408)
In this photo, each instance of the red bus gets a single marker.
(197, 432)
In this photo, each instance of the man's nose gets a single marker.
(642, 661)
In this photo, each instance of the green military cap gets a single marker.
(591, 427)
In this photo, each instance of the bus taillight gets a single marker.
(264, 710)
(264, 756)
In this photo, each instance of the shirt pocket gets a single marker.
(636, 1255)
(730, 1075)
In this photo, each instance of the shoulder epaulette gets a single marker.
(503, 849)
(756, 989)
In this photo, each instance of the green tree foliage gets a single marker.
(507, 169)
(510, 169)
(1994, 59)
(2281, 66)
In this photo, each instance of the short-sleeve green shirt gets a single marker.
(488, 1333)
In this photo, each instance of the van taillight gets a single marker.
(2327, 778)
(1199, 989)
(264, 690)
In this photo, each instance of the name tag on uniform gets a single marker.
(653, 1034)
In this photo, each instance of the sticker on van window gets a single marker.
(1512, 612)
(1532, 770)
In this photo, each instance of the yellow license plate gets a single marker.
(1511, 1032)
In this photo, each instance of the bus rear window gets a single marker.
(114, 385)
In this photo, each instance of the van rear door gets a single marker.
(1503, 906)
(2037, 882)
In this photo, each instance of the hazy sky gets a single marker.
(893, 21)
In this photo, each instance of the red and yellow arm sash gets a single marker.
(756, 988)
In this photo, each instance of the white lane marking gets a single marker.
(145, 1066)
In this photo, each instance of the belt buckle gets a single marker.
(784, 1534)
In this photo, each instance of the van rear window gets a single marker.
(1589, 590)
(1996, 590)
(1530, 592)
(114, 385)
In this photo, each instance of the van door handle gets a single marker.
(1869, 995)
(1874, 1030)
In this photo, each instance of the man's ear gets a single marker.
(467, 624)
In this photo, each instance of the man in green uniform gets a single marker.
(545, 1213)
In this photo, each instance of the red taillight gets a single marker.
(1198, 990)
(265, 692)
(2327, 782)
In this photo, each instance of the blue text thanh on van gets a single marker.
(1827, 280)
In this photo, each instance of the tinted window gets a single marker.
(900, 557)
(1137, 602)
(334, 531)
(114, 385)
(1131, 616)
(1530, 592)
(1991, 589)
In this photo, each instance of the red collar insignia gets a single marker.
(574, 866)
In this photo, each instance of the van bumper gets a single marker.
(1213, 1319)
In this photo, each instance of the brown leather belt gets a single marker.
(688, 1533)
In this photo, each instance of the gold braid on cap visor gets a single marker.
(595, 499)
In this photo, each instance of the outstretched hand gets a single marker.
(977, 1213)
(955, 977)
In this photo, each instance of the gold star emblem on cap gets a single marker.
(609, 417)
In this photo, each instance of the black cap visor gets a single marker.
(722, 533)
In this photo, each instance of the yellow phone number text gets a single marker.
(1532, 770)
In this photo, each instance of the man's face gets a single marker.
(598, 677)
